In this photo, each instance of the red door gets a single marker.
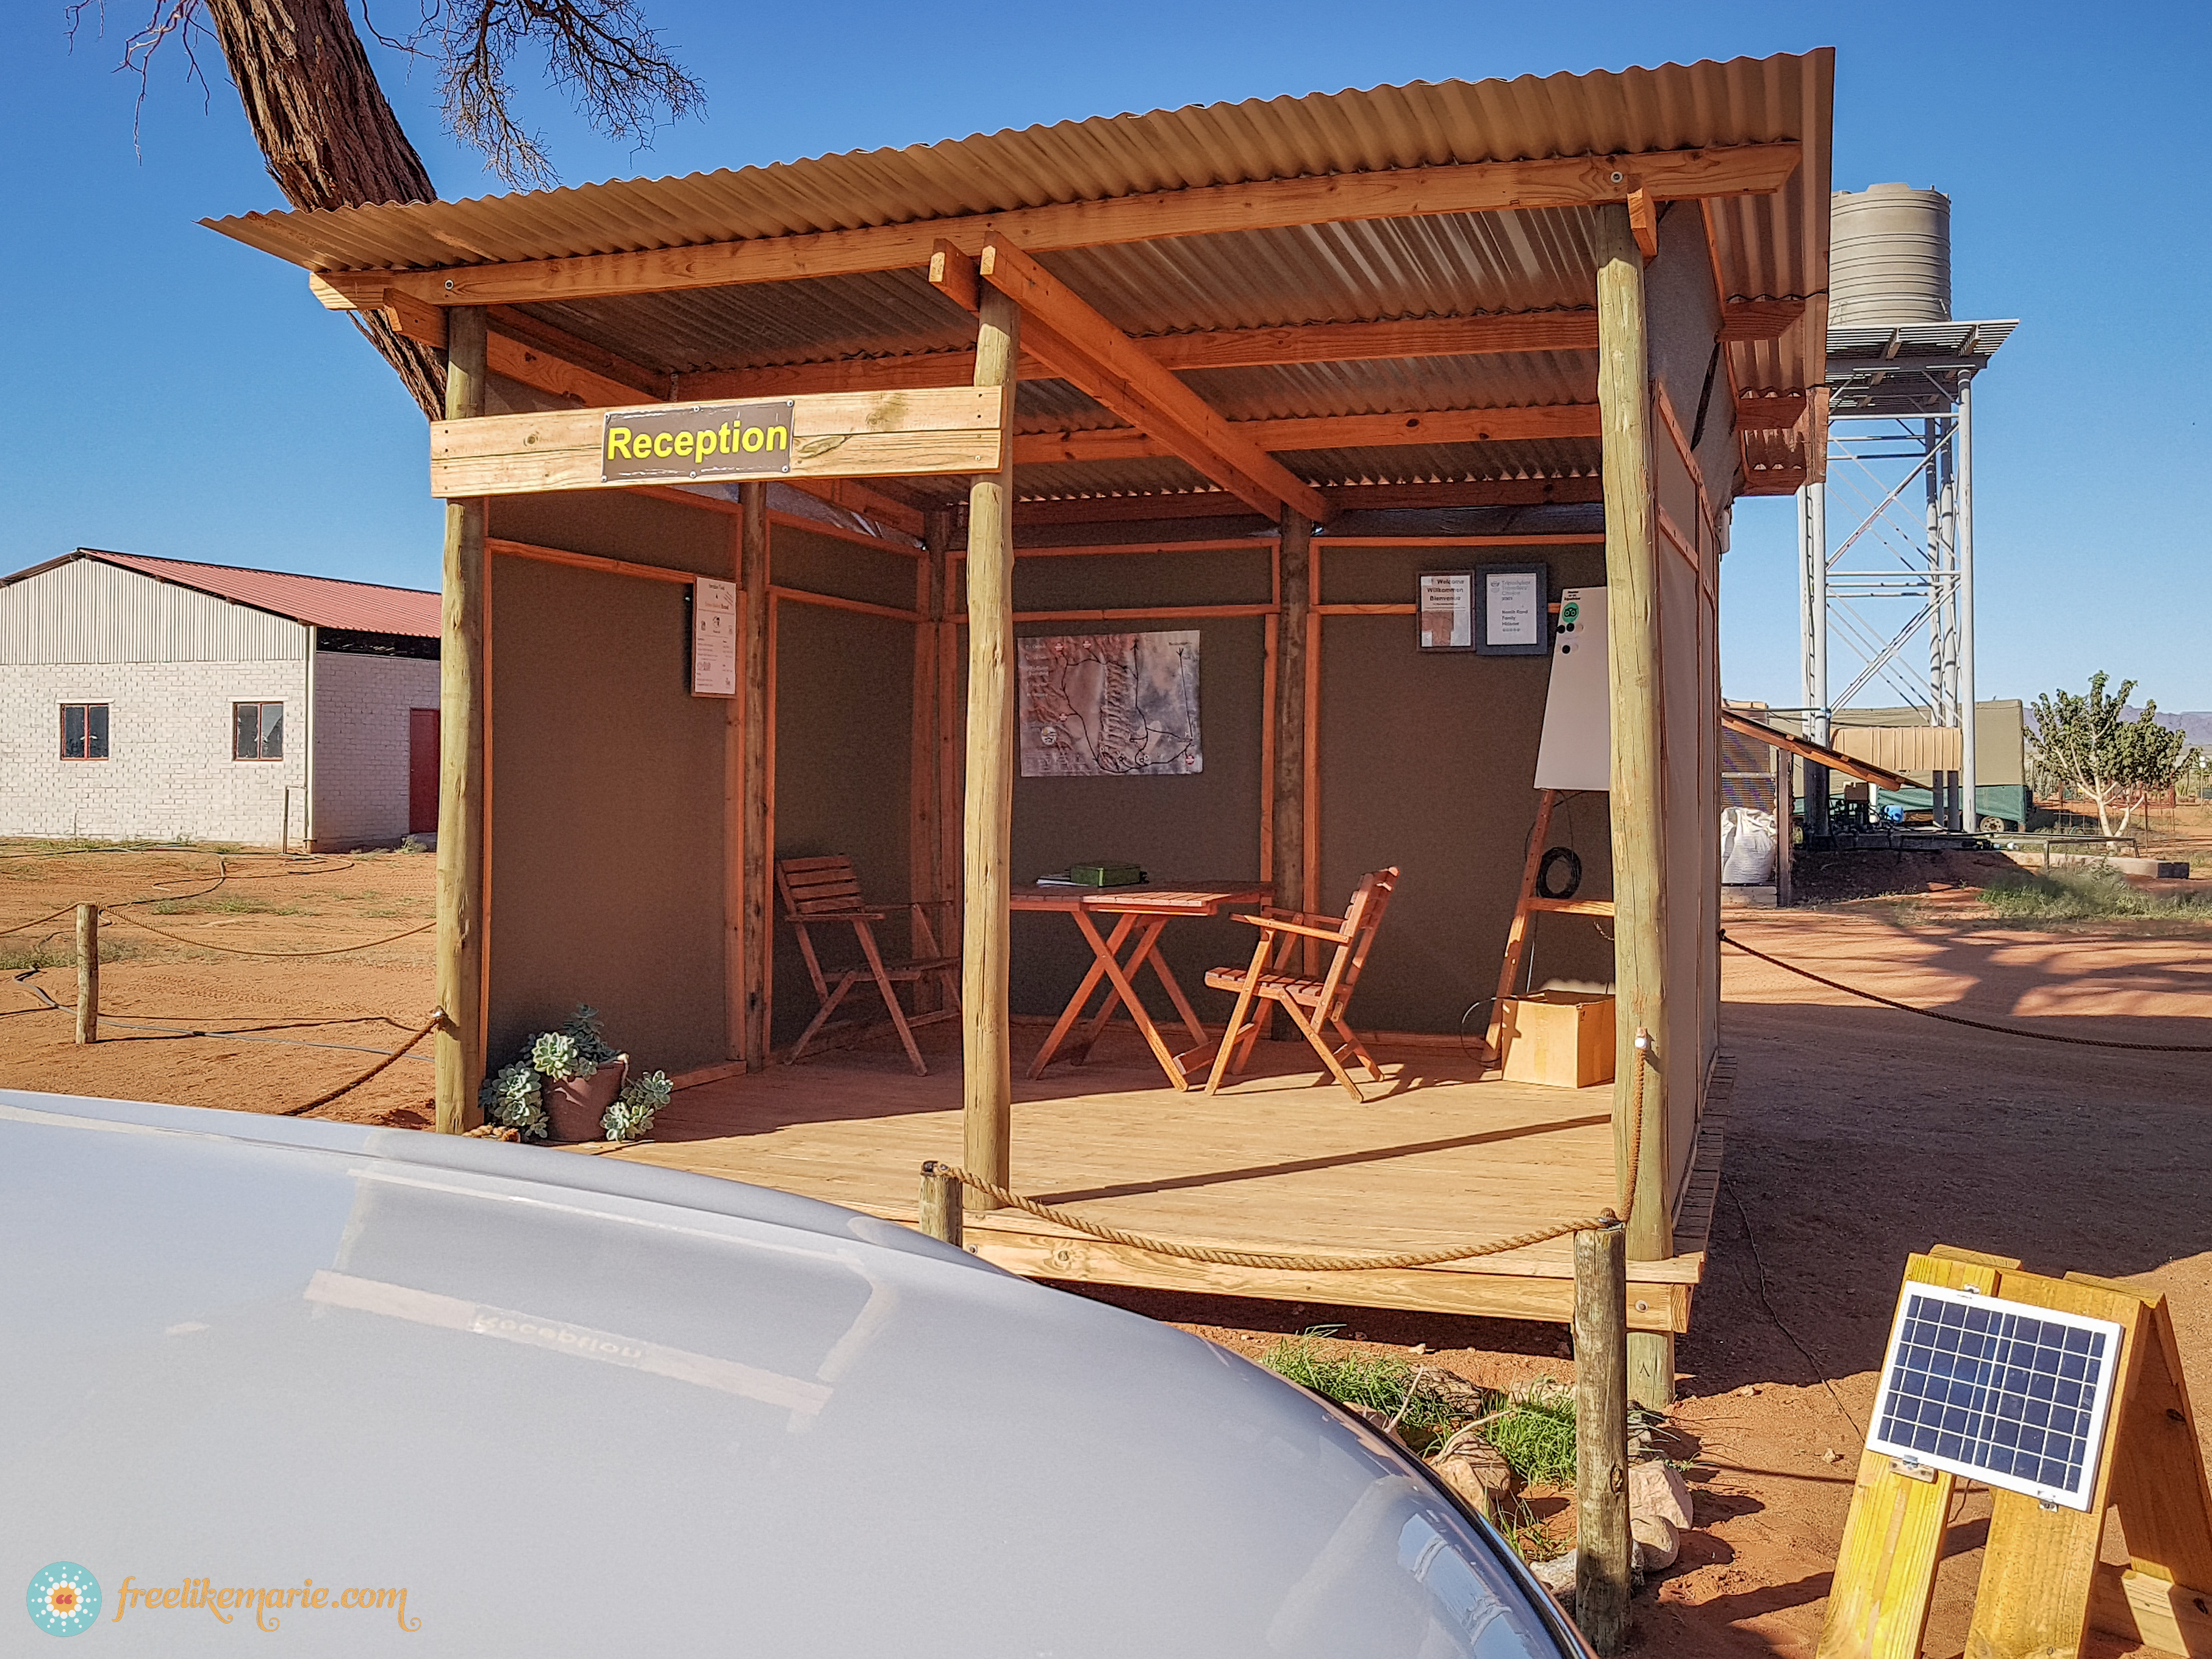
(421, 771)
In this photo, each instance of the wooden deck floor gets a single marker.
(1273, 1163)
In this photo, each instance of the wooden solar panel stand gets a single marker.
(2042, 1583)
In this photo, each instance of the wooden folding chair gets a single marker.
(1314, 1006)
(825, 890)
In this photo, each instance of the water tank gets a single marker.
(1889, 257)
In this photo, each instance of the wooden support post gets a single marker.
(735, 979)
(754, 694)
(986, 1074)
(926, 793)
(940, 1204)
(1639, 847)
(1603, 1544)
(87, 973)
(1289, 782)
(459, 1048)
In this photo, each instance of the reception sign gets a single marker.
(705, 441)
(913, 433)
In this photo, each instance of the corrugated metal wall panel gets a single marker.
(91, 612)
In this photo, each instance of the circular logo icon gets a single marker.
(64, 1598)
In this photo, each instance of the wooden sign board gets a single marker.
(2043, 1584)
(915, 433)
(695, 440)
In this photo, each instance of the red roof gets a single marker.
(319, 601)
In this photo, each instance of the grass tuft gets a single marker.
(1382, 1383)
(1533, 1427)
(2090, 893)
(226, 906)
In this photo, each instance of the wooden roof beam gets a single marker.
(1568, 181)
(1743, 321)
(1436, 426)
(1495, 334)
(1769, 411)
(1484, 492)
(1061, 328)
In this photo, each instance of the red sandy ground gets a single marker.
(1859, 1134)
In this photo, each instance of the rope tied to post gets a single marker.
(239, 950)
(1221, 1255)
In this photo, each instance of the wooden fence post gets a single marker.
(1603, 1539)
(940, 1204)
(87, 973)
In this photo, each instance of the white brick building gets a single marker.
(155, 699)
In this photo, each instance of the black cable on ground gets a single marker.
(1959, 1019)
(1758, 1267)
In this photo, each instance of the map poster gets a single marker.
(1109, 705)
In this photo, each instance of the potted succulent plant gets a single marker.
(571, 1085)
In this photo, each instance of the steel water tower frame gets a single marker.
(1891, 527)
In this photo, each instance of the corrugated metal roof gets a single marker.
(1766, 246)
(319, 601)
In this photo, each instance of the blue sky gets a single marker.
(167, 391)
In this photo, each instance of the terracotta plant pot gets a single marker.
(577, 1106)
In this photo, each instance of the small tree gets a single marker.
(2085, 744)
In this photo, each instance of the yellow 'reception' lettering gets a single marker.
(640, 443)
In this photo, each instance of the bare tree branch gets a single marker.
(601, 52)
(329, 136)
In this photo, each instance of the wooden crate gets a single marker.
(1560, 1038)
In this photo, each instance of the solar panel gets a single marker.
(2001, 1391)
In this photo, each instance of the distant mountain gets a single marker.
(2196, 724)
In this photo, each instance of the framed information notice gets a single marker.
(713, 638)
(1447, 610)
(1513, 610)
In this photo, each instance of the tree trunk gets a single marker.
(328, 136)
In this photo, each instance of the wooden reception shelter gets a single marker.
(1246, 370)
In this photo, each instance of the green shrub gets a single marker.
(2089, 893)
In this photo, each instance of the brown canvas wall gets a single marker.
(1428, 760)
(844, 740)
(1683, 314)
(606, 803)
(1196, 827)
(1691, 763)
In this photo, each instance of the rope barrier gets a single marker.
(1960, 1019)
(238, 950)
(421, 1031)
(52, 915)
(1222, 1256)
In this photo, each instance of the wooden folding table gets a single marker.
(1144, 911)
